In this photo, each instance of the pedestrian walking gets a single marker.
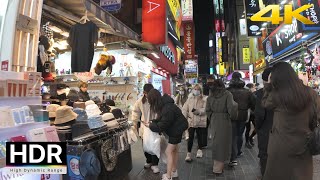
(220, 109)
(295, 105)
(194, 111)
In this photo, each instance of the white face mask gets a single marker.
(181, 92)
(196, 92)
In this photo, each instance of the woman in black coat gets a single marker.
(172, 123)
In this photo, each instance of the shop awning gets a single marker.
(96, 14)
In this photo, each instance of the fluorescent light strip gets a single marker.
(174, 36)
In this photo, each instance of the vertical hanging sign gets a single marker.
(187, 10)
(252, 7)
(154, 22)
(189, 40)
(246, 54)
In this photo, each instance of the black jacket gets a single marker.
(242, 96)
(263, 117)
(171, 120)
(83, 96)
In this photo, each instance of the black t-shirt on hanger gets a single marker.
(81, 39)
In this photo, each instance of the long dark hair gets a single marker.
(182, 98)
(154, 99)
(216, 87)
(289, 91)
(146, 89)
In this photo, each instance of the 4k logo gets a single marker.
(289, 13)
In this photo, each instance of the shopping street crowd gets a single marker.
(283, 114)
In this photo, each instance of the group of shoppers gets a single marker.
(280, 112)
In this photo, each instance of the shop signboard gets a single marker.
(224, 48)
(251, 8)
(175, 9)
(191, 69)
(220, 26)
(246, 54)
(283, 39)
(166, 51)
(111, 5)
(312, 13)
(187, 10)
(154, 14)
(243, 27)
(189, 40)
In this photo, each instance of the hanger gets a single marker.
(84, 18)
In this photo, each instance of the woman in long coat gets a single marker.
(294, 106)
(220, 109)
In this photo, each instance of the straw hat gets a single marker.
(89, 103)
(52, 108)
(81, 105)
(64, 114)
(93, 110)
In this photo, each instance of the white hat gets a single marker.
(108, 117)
(93, 110)
(87, 103)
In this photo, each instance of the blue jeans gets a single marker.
(238, 128)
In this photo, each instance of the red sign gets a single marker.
(218, 27)
(154, 20)
(5, 65)
(189, 40)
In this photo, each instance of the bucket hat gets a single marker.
(64, 114)
(93, 110)
(82, 114)
(96, 122)
(89, 102)
(108, 117)
(81, 105)
(52, 108)
(89, 163)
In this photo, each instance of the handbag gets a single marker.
(314, 141)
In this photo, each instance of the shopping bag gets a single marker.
(163, 146)
(151, 142)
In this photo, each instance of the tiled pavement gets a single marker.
(201, 169)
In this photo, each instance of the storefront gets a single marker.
(37, 106)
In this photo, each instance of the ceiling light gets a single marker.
(174, 36)
(66, 34)
(155, 55)
(283, 2)
(265, 24)
(55, 29)
(100, 43)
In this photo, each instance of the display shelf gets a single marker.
(18, 102)
(21, 129)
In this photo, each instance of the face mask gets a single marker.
(181, 92)
(196, 92)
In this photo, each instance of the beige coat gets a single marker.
(141, 112)
(195, 121)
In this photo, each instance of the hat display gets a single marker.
(108, 117)
(95, 122)
(81, 105)
(82, 114)
(93, 110)
(89, 102)
(117, 113)
(64, 114)
(89, 163)
(52, 108)
(109, 157)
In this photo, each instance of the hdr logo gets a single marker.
(36, 157)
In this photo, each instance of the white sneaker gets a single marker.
(165, 177)
(174, 174)
(199, 153)
(188, 158)
(147, 165)
(155, 169)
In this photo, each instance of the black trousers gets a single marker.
(151, 159)
(201, 135)
(248, 128)
(263, 140)
(237, 138)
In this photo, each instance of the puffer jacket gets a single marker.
(244, 98)
(83, 96)
(171, 120)
(199, 104)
